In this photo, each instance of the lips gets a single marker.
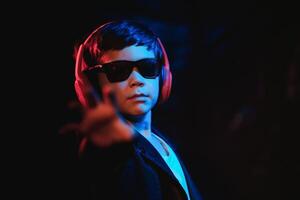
(134, 96)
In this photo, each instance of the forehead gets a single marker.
(131, 53)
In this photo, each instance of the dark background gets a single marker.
(235, 92)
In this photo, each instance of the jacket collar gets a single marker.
(146, 149)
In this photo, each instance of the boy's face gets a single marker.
(136, 95)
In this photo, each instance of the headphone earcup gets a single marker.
(166, 85)
(79, 89)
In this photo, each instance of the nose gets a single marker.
(136, 79)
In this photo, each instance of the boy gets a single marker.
(122, 73)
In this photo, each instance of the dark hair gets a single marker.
(117, 35)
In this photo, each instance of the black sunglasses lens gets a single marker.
(117, 72)
(149, 68)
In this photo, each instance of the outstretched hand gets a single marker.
(102, 124)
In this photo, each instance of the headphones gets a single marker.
(85, 91)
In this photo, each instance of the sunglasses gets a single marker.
(117, 71)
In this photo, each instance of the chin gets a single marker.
(137, 110)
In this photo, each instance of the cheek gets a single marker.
(154, 89)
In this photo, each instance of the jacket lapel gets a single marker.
(150, 153)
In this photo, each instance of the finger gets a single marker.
(92, 97)
(95, 118)
(109, 98)
(82, 145)
(106, 92)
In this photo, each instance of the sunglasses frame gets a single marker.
(103, 68)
